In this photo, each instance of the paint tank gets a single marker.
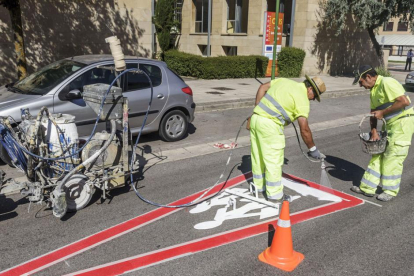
(61, 136)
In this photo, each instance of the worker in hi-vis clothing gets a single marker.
(279, 103)
(388, 101)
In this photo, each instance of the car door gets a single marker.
(85, 116)
(138, 91)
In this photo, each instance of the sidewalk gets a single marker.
(238, 93)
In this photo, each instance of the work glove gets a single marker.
(316, 154)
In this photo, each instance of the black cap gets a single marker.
(362, 70)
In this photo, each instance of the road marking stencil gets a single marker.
(339, 201)
(179, 250)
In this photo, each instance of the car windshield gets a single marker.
(42, 81)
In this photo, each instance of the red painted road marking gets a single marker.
(82, 245)
(195, 246)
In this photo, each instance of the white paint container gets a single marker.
(65, 135)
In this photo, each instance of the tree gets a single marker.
(164, 22)
(13, 6)
(371, 14)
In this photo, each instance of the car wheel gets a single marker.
(173, 126)
(4, 156)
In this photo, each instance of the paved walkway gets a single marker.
(235, 93)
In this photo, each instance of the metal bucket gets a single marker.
(373, 147)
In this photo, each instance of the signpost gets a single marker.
(272, 44)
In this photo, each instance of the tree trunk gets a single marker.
(378, 48)
(16, 22)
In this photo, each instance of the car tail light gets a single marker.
(187, 90)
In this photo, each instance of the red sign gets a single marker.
(269, 37)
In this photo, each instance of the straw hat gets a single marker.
(318, 85)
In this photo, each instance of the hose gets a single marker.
(304, 154)
(93, 130)
(195, 201)
(60, 206)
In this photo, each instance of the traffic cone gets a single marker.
(281, 254)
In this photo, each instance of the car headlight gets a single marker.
(410, 76)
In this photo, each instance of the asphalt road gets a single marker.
(367, 239)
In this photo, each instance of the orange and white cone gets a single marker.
(281, 254)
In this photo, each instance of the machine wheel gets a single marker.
(78, 192)
(173, 126)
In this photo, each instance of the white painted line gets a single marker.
(252, 198)
(372, 203)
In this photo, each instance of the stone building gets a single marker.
(237, 29)
(55, 29)
(396, 37)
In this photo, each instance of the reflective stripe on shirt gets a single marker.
(394, 114)
(282, 118)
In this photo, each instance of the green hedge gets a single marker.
(223, 67)
(290, 61)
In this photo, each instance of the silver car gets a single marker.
(409, 80)
(59, 86)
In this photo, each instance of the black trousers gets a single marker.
(408, 63)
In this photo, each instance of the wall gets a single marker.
(56, 29)
(249, 43)
(327, 53)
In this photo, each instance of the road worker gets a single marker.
(279, 103)
(388, 101)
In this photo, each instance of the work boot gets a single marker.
(357, 190)
(385, 197)
(280, 200)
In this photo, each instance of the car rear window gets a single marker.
(137, 81)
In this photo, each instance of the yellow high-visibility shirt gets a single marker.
(292, 96)
(386, 90)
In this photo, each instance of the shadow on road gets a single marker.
(8, 206)
(344, 170)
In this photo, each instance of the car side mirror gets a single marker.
(74, 94)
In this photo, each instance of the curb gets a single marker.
(249, 102)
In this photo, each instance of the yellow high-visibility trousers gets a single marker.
(267, 154)
(387, 167)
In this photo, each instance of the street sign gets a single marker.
(268, 37)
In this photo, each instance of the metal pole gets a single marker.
(292, 23)
(153, 30)
(209, 28)
(275, 40)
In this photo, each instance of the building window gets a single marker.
(388, 26)
(237, 12)
(402, 26)
(230, 50)
(201, 16)
(203, 49)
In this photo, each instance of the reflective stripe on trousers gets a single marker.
(267, 154)
(387, 167)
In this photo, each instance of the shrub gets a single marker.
(222, 67)
(164, 21)
(290, 62)
(383, 71)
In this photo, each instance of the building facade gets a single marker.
(56, 29)
(237, 29)
(396, 37)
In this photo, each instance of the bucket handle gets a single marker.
(366, 116)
